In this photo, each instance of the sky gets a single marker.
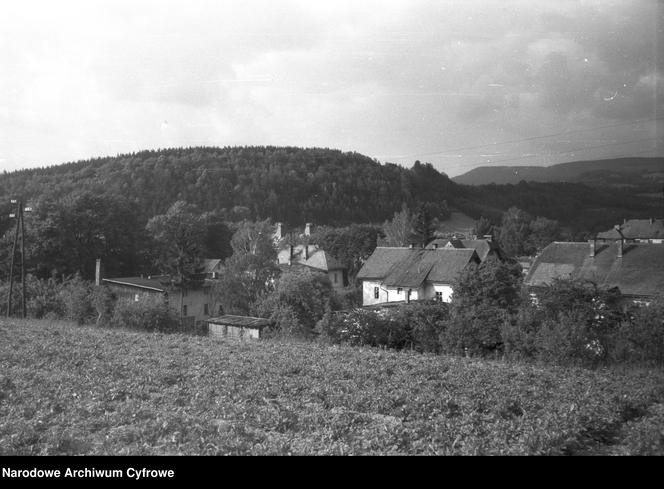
(457, 83)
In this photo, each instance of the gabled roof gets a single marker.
(406, 267)
(482, 246)
(640, 271)
(322, 260)
(210, 264)
(636, 229)
(382, 260)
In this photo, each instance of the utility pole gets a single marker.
(20, 229)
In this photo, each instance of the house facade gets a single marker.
(636, 269)
(409, 274)
(193, 303)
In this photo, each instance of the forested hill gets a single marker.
(286, 184)
(296, 185)
(643, 172)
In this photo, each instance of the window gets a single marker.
(376, 293)
(439, 296)
(184, 310)
(399, 291)
(206, 311)
(336, 278)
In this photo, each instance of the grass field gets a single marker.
(80, 390)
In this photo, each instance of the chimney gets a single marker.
(277, 234)
(411, 246)
(435, 246)
(98, 272)
(621, 248)
(307, 229)
(592, 244)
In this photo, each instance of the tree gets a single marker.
(514, 232)
(250, 273)
(543, 231)
(484, 297)
(423, 225)
(179, 237)
(306, 294)
(483, 227)
(399, 230)
(351, 245)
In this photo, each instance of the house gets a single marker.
(636, 269)
(195, 302)
(212, 267)
(314, 258)
(636, 230)
(237, 327)
(485, 248)
(410, 274)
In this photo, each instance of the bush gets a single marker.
(146, 314)
(640, 338)
(76, 294)
(474, 329)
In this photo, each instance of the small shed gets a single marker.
(237, 326)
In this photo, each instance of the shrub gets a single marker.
(146, 314)
(475, 329)
(44, 298)
(76, 294)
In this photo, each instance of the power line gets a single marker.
(563, 133)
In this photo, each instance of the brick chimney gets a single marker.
(98, 272)
(307, 229)
(592, 244)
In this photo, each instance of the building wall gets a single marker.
(227, 331)
(387, 294)
(431, 289)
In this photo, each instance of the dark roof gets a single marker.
(636, 229)
(382, 260)
(406, 267)
(322, 260)
(241, 321)
(482, 246)
(140, 282)
(640, 272)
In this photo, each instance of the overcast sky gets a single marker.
(457, 83)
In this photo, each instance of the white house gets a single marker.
(411, 274)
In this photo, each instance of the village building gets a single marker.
(313, 258)
(636, 230)
(239, 327)
(193, 302)
(394, 274)
(636, 269)
(485, 247)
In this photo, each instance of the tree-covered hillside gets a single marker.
(286, 184)
(297, 185)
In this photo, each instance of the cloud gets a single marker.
(386, 78)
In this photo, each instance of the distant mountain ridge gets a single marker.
(642, 172)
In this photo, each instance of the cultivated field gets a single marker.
(71, 390)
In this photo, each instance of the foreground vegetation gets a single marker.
(67, 389)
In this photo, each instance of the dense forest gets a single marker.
(296, 185)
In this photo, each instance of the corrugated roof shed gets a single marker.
(240, 321)
(640, 271)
